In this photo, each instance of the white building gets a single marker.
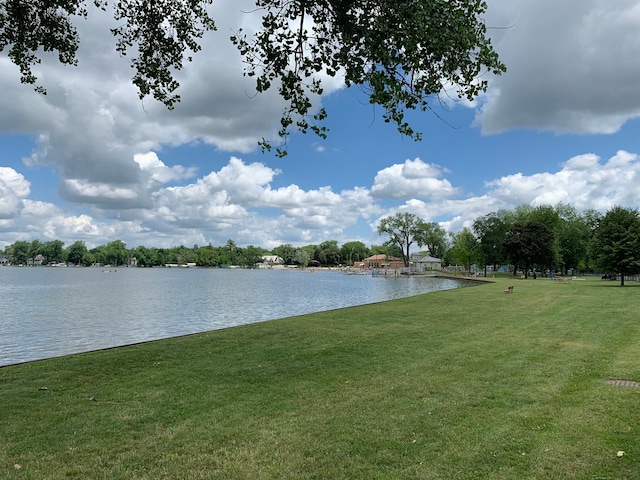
(424, 263)
(270, 261)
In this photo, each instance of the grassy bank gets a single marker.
(469, 383)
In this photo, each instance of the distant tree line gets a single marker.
(551, 238)
(116, 253)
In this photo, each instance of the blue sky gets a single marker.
(91, 162)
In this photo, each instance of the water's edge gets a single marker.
(55, 312)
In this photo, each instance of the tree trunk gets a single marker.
(622, 279)
(406, 256)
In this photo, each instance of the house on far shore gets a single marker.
(271, 261)
(37, 260)
(380, 262)
(423, 263)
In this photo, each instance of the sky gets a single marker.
(91, 162)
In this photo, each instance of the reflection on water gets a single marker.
(48, 312)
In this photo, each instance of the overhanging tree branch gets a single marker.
(403, 54)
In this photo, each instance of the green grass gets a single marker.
(464, 384)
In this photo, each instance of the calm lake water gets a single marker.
(48, 312)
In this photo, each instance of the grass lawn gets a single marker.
(465, 384)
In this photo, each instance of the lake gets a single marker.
(48, 312)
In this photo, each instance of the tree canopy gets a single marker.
(529, 243)
(615, 245)
(490, 230)
(404, 55)
(405, 229)
(465, 249)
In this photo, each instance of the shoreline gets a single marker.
(54, 328)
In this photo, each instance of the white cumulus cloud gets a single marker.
(411, 178)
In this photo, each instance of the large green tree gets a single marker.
(36, 248)
(529, 244)
(355, 251)
(328, 253)
(76, 252)
(547, 215)
(434, 237)
(572, 237)
(286, 252)
(403, 54)
(465, 249)
(53, 251)
(615, 245)
(490, 230)
(98, 254)
(115, 253)
(404, 229)
(19, 252)
(250, 256)
(230, 253)
(302, 257)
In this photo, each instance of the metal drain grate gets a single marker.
(624, 383)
